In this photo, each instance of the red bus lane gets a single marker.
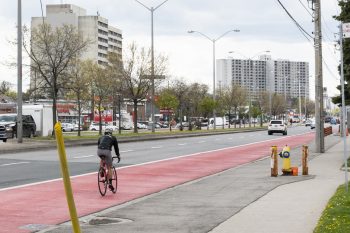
(45, 203)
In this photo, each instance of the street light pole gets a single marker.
(250, 105)
(213, 41)
(299, 100)
(152, 9)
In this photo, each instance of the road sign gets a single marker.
(346, 30)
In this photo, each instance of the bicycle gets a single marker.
(102, 177)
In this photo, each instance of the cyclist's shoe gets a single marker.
(110, 186)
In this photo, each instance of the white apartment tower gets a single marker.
(104, 38)
(284, 77)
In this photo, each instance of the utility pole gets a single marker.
(19, 73)
(343, 107)
(319, 118)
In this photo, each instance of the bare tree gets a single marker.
(79, 86)
(136, 72)
(239, 99)
(197, 92)
(227, 100)
(115, 68)
(51, 51)
(102, 87)
(4, 87)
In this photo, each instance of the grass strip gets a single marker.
(336, 216)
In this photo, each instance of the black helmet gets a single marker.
(108, 132)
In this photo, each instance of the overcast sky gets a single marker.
(263, 25)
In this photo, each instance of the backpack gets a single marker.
(106, 143)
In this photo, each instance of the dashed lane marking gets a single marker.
(156, 147)
(84, 156)
(10, 164)
(125, 151)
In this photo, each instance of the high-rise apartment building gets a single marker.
(287, 78)
(104, 38)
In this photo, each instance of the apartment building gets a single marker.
(104, 38)
(284, 77)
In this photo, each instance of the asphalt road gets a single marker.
(30, 167)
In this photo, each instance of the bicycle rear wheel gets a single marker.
(114, 179)
(102, 181)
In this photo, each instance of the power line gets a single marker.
(301, 29)
(306, 8)
(329, 70)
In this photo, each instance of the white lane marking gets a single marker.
(156, 147)
(217, 139)
(229, 138)
(201, 141)
(156, 161)
(241, 137)
(10, 164)
(182, 144)
(125, 151)
(84, 156)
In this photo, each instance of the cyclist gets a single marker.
(104, 148)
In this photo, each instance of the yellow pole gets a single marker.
(66, 178)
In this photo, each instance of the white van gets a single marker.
(219, 121)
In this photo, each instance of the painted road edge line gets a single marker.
(141, 164)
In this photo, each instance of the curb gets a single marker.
(89, 142)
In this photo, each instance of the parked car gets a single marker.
(95, 126)
(327, 119)
(333, 121)
(162, 125)
(313, 124)
(67, 127)
(76, 127)
(277, 126)
(141, 125)
(308, 122)
(9, 121)
(295, 119)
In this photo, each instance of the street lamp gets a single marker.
(152, 9)
(298, 76)
(214, 40)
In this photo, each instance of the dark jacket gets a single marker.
(106, 142)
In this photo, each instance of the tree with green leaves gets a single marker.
(344, 17)
(255, 112)
(168, 101)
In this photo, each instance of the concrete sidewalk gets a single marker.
(294, 207)
(241, 199)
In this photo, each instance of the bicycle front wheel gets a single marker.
(102, 181)
(114, 179)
